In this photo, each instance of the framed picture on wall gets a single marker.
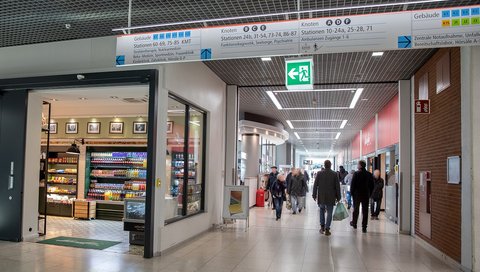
(139, 127)
(116, 127)
(170, 127)
(93, 127)
(71, 128)
(53, 128)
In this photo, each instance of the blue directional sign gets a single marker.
(404, 41)
(206, 54)
(120, 60)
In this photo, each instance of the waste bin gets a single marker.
(260, 198)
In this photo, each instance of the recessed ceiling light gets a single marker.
(54, 99)
(344, 122)
(377, 54)
(296, 134)
(83, 98)
(290, 124)
(338, 136)
(364, 99)
(357, 95)
(274, 100)
(266, 59)
(114, 97)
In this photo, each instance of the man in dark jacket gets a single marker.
(377, 195)
(326, 191)
(296, 190)
(361, 189)
(271, 179)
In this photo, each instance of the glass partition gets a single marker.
(185, 160)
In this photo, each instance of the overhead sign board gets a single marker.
(447, 27)
(422, 106)
(299, 74)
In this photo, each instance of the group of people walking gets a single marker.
(363, 190)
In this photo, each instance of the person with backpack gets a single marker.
(377, 195)
(361, 189)
(297, 188)
(279, 195)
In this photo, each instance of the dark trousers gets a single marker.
(278, 202)
(375, 206)
(356, 210)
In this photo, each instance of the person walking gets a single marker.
(377, 195)
(272, 177)
(278, 194)
(326, 191)
(297, 188)
(348, 183)
(361, 189)
(342, 174)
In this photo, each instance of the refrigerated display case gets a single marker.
(115, 174)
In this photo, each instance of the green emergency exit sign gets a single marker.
(299, 74)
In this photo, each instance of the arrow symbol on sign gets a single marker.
(293, 74)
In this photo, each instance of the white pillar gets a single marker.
(231, 135)
(251, 146)
(405, 158)
(470, 99)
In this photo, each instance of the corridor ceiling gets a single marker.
(39, 21)
(345, 72)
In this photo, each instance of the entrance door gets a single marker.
(13, 111)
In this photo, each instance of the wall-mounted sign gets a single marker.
(454, 169)
(299, 74)
(307, 162)
(422, 106)
(445, 27)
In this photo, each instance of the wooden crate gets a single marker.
(83, 209)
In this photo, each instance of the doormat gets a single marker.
(79, 242)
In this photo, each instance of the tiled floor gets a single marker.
(292, 244)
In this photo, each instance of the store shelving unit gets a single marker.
(62, 182)
(193, 190)
(113, 175)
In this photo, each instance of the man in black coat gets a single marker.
(361, 189)
(272, 177)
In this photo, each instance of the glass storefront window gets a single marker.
(185, 160)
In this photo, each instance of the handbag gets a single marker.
(340, 212)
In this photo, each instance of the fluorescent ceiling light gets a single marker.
(317, 120)
(344, 123)
(377, 54)
(356, 97)
(125, 29)
(315, 90)
(296, 134)
(290, 124)
(274, 100)
(338, 136)
(266, 59)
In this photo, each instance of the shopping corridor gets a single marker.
(292, 244)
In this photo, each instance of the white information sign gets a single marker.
(458, 26)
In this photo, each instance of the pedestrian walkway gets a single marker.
(292, 244)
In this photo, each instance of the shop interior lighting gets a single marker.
(315, 90)
(377, 54)
(287, 13)
(357, 95)
(338, 136)
(344, 123)
(73, 149)
(296, 135)
(290, 124)
(266, 59)
(274, 100)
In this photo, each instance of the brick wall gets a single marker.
(438, 136)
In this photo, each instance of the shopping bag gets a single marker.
(289, 203)
(340, 212)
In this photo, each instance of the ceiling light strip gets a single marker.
(124, 29)
(338, 136)
(357, 95)
(316, 90)
(290, 124)
(296, 135)
(274, 100)
(344, 123)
